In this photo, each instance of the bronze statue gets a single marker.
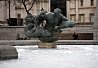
(53, 23)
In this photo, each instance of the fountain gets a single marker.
(45, 26)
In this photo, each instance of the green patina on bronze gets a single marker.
(45, 25)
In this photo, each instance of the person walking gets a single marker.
(75, 36)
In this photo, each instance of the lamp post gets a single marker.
(9, 10)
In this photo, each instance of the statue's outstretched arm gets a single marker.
(63, 18)
(65, 23)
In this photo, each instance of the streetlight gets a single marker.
(9, 10)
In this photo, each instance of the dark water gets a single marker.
(68, 56)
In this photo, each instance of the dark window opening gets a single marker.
(92, 2)
(59, 4)
(12, 21)
(91, 17)
(81, 2)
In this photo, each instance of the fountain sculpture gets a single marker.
(45, 25)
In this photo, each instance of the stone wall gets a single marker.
(85, 32)
(10, 32)
(79, 29)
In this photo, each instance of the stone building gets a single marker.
(95, 36)
(16, 9)
(80, 11)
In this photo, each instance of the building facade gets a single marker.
(83, 13)
(80, 11)
(17, 9)
(96, 23)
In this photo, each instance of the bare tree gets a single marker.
(25, 5)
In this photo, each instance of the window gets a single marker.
(73, 17)
(81, 18)
(92, 2)
(91, 17)
(81, 2)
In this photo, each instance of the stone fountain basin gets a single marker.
(8, 52)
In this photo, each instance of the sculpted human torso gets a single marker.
(51, 19)
(46, 33)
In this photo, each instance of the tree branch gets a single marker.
(23, 1)
(31, 5)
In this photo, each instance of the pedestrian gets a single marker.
(75, 36)
(17, 37)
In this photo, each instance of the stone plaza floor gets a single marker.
(66, 56)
